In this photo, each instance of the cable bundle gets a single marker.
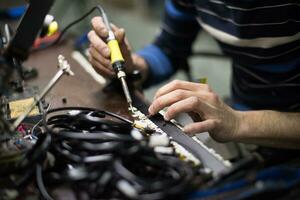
(99, 154)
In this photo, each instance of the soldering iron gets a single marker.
(117, 60)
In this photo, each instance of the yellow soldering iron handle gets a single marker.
(115, 51)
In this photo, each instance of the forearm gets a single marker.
(269, 128)
(172, 45)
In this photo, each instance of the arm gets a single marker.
(172, 46)
(267, 128)
(270, 128)
(157, 61)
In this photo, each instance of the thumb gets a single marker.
(200, 127)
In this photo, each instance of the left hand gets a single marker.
(198, 100)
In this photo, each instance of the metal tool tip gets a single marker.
(131, 108)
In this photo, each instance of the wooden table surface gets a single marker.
(79, 90)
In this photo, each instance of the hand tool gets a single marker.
(117, 60)
(64, 68)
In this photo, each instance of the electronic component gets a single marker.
(17, 103)
(208, 157)
(142, 122)
(18, 107)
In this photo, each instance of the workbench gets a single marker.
(79, 90)
(82, 90)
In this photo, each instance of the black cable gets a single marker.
(92, 110)
(176, 178)
(98, 7)
(18, 171)
(100, 159)
(40, 183)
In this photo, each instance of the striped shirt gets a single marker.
(261, 37)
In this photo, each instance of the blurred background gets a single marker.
(141, 20)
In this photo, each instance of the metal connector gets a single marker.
(64, 69)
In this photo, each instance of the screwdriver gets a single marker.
(117, 60)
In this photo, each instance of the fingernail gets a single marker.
(150, 110)
(185, 129)
(166, 117)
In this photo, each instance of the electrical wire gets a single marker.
(93, 155)
(64, 31)
(40, 183)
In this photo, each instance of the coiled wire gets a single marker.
(96, 154)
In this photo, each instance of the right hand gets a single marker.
(99, 53)
(205, 107)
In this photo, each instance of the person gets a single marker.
(263, 40)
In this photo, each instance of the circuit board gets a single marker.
(190, 148)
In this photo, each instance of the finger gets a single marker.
(186, 105)
(172, 97)
(107, 73)
(99, 26)
(119, 33)
(200, 127)
(99, 44)
(123, 42)
(126, 45)
(177, 84)
(97, 56)
(167, 100)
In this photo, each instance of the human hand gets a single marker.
(208, 111)
(99, 51)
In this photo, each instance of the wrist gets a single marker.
(243, 126)
(252, 126)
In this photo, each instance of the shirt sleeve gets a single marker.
(172, 46)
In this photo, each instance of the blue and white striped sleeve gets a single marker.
(172, 46)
